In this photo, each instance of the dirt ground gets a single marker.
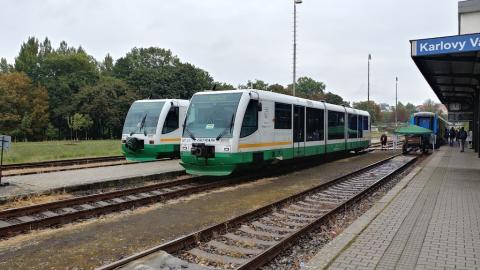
(95, 242)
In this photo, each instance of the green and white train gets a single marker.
(225, 131)
(152, 129)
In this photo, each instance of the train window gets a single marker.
(171, 121)
(336, 125)
(352, 126)
(283, 116)
(424, 121)
(250, 120)
(315, 124)
(365, 123)
(360, 126)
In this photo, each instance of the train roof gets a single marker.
(290, 99)
(182, 102)
(424, 114)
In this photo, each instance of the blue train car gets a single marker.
(433, 122)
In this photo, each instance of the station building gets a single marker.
(451, 66)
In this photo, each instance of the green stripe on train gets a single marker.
(151, 152)
(226, 163)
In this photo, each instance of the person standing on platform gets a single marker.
(383, 141)
(457, 137)
(469, 138)
(462, 136)
(452, 136)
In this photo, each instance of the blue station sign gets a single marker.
(443, 45)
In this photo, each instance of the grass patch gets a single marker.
(21, 152)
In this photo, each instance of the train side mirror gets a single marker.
(259, 106)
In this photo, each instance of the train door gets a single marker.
(298, 131)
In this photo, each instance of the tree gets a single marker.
(219, 86)
(188, 80)
(51, 132)
(45, 48)
(335, 99)
(107, 103)
(156, 72)
(428, 105)
(106, 67)
(27, 60)
(257, 84)
(307, 87)
(81, 122)
(402, 113)
(278, 88)
(372, 107)
(4, 66)
(23, 107)
(39, 112)
(410, 108)
(63, 72)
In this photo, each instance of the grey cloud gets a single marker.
(250, 39)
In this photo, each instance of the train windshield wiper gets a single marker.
(190, 134)
(224, 131)
(140, 125)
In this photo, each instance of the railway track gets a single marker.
(378, 145)
(63, 162)
(17, 220)
(61, 165)
(253, 239)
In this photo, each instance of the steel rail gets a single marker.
(289, 241)
(59, 212)
(62, 162)
(20, 219)
(218, 229)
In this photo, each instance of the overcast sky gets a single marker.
(250, 39)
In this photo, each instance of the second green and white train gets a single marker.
(226, 131)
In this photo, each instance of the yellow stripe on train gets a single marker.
(253, 145)
(170, 140)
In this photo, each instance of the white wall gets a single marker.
(470, 23)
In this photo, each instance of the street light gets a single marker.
(368, 79)
(295, 2)
(368, 82)
(396, 100)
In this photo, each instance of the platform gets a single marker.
(23, 185)
(430, 220)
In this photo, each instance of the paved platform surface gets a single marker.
(38, 183)
(432, 223)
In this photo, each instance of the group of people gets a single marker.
(454, 136)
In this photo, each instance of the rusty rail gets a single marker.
(188, 244)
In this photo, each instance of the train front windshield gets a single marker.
(142, 117)
(424, 121)
(211, 116)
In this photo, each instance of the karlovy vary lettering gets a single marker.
(456, 45)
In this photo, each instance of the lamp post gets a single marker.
(396, 100)
(368, 81)
(295, 2)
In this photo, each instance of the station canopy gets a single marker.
(451, 66)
